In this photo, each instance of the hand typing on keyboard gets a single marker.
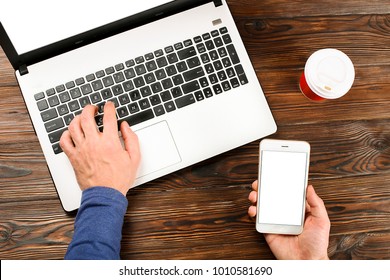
(98, 158)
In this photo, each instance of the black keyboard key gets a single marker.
(53, 101)
(176, 92)
(39, 96)
(209, 45)
(124, 99)
(162, 61)
(86, 89)
(55, 136)
(42, 105)
(138, 118)
(74, 105)
(128, 85)
(165, 96)
(181, 66)
(208, 92)
(226, 86)
(54, 125)
(90, 77)
(133, 108)
(233, 54)
(68, 119)
(172, 58)
(169, 106)
(97, 85)
(122, 112)
(155, 99)
(145, 91)
(193, 74)
(135, 95)
(177, 80)
(151, 65)
(117, 89)
(190, 87)
(63, 109)
(57, 149)
(226, 38)
(49, 114)
(199, 96)
(108, 81)
(84, 101)
(235, 83)
(167, 83)
(140, 69)
(80, 81)
(64, 97)
(241, 74)
(129, 73)
(186, 53)
(193, 62)
(75, 93)
(70, 85)
(95, 97)
(159, 110)
(144, 104)
(185, 100)
(60, 88)
(217, 89)
(106, 93)
(139, 82)
(119, 77)
(150, 78)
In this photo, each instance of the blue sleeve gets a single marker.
(98, 225)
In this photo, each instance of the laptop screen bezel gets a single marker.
(21, 61)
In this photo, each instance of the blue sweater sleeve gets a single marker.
(98, 225)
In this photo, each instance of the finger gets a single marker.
(66, 143)
(253, 197)
(87, 119)
(255, 185)
(131, 143)
(252, 211)
(75, 131)
(317, 206)
(109, 119)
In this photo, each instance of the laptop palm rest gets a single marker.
(158, 149)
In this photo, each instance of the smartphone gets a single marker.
(283, 175)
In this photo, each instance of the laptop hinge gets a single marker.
(217, 3)
(23, 70)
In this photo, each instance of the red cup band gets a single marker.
(306, 90)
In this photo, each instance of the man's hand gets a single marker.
(312, 243)
(98, 158)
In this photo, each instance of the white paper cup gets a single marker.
(328, 74)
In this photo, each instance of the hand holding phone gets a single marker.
(282, 182)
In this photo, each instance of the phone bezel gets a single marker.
(282, 146)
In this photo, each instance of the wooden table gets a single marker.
(201, 212)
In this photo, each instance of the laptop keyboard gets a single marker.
(147, 86)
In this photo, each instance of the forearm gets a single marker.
(98, 225)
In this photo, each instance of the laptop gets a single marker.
(177, 71)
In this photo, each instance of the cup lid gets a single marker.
(329, 73)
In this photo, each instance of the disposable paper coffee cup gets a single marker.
(328, 74)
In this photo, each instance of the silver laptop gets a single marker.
(177, 71)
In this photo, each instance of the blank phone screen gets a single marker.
(281, 186)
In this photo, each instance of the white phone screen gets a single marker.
(282, 185)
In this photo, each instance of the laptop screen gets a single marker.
(32, 24)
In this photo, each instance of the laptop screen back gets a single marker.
(34, 24)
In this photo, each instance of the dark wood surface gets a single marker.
(200, 212)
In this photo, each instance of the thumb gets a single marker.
(316, 204)
(130, 140)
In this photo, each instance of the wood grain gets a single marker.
(200, 212)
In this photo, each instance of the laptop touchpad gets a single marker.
(158, 149)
